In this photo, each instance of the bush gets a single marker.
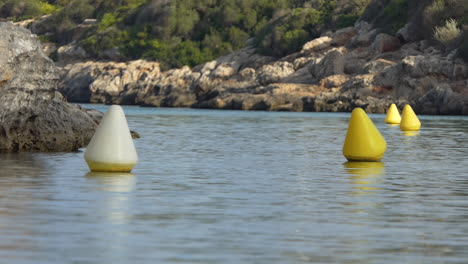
(237, 37)
(288, 33)
(396, 13)
(108, 20)
(21, 9)
(293, 40)
(346, 20)
(47, 8)
(447, 34)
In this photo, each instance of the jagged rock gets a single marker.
(112, 54)
(343, 36)
(330, 64)
(436, 101)
(385, 43)
(301, 76)
(49, 48)
(223, 71)
(460, 71)
(272, 73)
(364, 81)
(302, 61)
(377, 66)
(403, 33)
(317, 44)
(71, 52)
(107, 82)
(419, 66)
(390, 76)
(334, 80)
(248, 74)
(33, 114)
(340, 64)
(172, 89)
(208, 67)
(365, 35)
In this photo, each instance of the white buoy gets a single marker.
(111, 149)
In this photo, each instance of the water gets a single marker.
(243, 187)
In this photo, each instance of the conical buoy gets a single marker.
(111, 149)
(409, 120)
(393, 116)
(363, 140)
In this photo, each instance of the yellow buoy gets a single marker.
(111, 149)
(393, 116)
(409, 120)
(363, 140)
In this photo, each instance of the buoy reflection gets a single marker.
(410, 133)
(117, 200)
(365, 175)
(114, 192)
(113, 182)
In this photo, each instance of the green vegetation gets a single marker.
(396, 13)
(448, 33)
(446, 19)
(25, 9)
(179, 32)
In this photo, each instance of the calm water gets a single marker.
(243, 187)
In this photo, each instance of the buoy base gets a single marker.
(416, 128)
(109, 167)
(393, 122)
(363, 159)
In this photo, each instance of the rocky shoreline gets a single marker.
(33, 115)
(352, 67)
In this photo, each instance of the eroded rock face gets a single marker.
(332, 63)
(33, 114)
(352, 67)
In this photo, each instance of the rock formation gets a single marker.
(352, 67)
(33, 115)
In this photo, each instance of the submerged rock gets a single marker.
(33, 115)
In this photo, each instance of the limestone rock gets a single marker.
(385, 43)
(333, 81)
(364, 81)
(71, 52)
(248, 74)
(317, 44)
(365, 35)
(377, 66)
(272, 73)
(223, 71)
(343, 36)
(419, 66)
(33, 115)
(332, 63)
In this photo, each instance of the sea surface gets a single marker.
(243, 187)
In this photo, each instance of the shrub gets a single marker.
(293, 40)
(47, 8)
(346, 20)
(396, 12)
(237, 37)
(108, 20)
(434, 13)
(448, 33)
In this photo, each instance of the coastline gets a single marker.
(352, 67)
